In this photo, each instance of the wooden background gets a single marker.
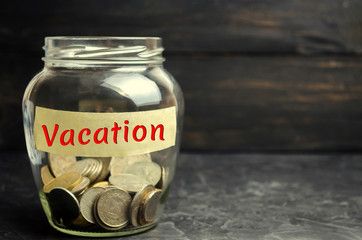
(257, 75)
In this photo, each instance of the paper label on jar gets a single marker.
(92, 134)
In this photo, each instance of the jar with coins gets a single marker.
(102, 125)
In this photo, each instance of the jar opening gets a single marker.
(103, 50)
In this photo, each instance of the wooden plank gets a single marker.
(258, 26)
(247, 103)
(281, 103)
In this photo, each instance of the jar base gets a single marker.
(123, 232)
(89, 233)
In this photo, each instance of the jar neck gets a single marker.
(84, 52)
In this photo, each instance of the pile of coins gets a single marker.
(110, 193)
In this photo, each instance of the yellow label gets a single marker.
(92, 134)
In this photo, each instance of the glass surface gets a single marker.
(101, 74)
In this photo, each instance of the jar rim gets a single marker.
(99, 38)
(102, 50)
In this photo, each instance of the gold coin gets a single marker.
(67, 180)
(150, 171)
(46, 175)
(149, 207)
(101, 184)
(119, 164)
(112, 207)
(87, 201)
(136, 203)
(58, 163)
(80, 221)
(81, 186)
(129, 182)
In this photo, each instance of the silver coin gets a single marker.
(58, 163)
(63, 204)
(88, 167)
(136, 203)
(87, 201)
(112, 207)
(163, 181)
(96, 170)
(82, 166)
(139, 158)
(99, 222)
(119, 164)
(81, 186)
(105, 169)
(91, 166)
(150, 171)
(149, 207)
(129, 182)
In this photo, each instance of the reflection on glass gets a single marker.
(139, 89)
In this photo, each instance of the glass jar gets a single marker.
(102, 125)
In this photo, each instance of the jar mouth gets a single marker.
(103, 50)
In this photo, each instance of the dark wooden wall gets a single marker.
(257, 75)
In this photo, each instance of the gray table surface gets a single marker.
(222, 196)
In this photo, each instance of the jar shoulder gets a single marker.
(124, 89)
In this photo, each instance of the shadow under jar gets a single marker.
(102, 124)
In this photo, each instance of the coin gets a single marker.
(81, 186)
(136, 203)
(82, 166)
(80, 221)
(88, 167)
(87, 201)
(46, 175)
(149, 206)
(58, 163)
(67, 180)
(139, 158)
(119, 164)
(129, 182)
(149, 171)
(105, 168)
(163, 181)
(95, 170)
(99, 222)
(101, 184)
(63, 203)
(165, 193)
(112, 208)
(92, 165)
